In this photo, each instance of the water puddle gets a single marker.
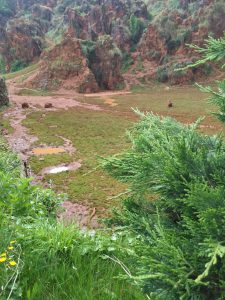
(61, 168)
(57, 170)
(111, 102)
(48, 150)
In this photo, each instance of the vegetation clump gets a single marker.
(175, 211)
(41, 258)
(4, 99)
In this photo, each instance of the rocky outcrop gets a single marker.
(162, 50)
(4, 99)
(152, 45)
(111, 17)
(65, 66)
(42, 12)
(22, 34)
(21, 43)
(105, 62)
(147, 37)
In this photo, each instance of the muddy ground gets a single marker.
(22, 142)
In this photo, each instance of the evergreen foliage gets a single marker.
(214, 50)
(179, 238)
(175, 211)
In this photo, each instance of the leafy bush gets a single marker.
(214, 50)
(172, 72)
(87, 47)
(175, 212)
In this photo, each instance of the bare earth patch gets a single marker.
(81, 214)
(20, 140)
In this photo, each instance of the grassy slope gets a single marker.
(24, 73)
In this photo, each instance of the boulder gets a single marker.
(48, 105)
(25, 105)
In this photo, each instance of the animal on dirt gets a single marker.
(25, 105)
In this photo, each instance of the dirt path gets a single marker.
(20, 140)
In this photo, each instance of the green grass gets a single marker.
(5, 123)
(189, 104)
(95, 134)
(32, 92)
(20, 73)
(61, 264)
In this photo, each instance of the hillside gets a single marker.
(100, 201)
(119, 43)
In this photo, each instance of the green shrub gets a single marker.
(87, 47)
(127, 62)
(2, 65)
(162, 74)
(173, 45)
(17, 65)
(136, 27)
(179, 238)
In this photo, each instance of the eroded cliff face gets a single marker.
(21, 42)
(133, 39)
(22, 31)
(105, 61)
(64, 66)
(4, 99)
(106, 17)
(163, 48)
